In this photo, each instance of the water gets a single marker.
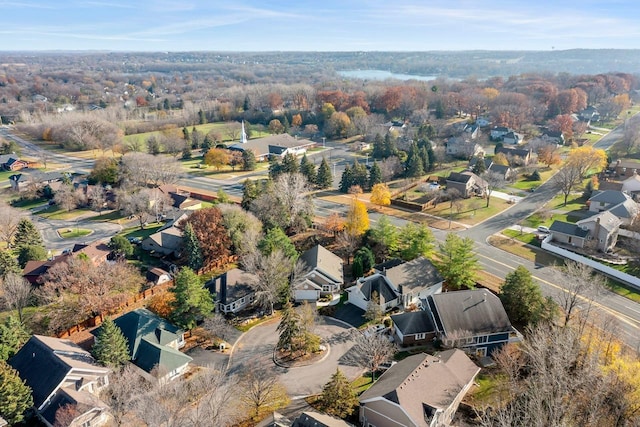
(382, 75)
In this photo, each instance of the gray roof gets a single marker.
(325, 262)
(609, 196)
(274, 144)
(417, 274)
(626, 209)
(476, 311)
(460, 177)
(239, 283)
(6, 158)
(509, 151)
(36, 176)
(414, 322)
(379, 284)
(316, 419)
(606, 219)
(424, 380)
(568, 228)
(501, 169)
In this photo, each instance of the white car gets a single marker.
(543, 229)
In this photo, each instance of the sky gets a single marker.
(327, 25)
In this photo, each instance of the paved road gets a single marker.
(53, 241)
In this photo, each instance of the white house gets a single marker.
(375, 286)
(324, 275)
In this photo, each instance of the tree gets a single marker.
(357, 218)
(415, 240)
(456, 261)
(13, 335)
(549, 155)
(153, 145)
(9, 219)
(500, 159)
(276, 127)
(212, 237)
(121, 245)
(273, 272)
(375, 174)
(290, 164)
(338, 396)
(15, 395)
(289, 329)
(346, 180)
(523, 299)
(248, 160)
(386, 237)
(374, 312)
(586, 160)
(250, 192)
(260, 389)
(381, 195)
(126, 388)
(216, 157)
(191, 249)
(31, 253)
(580, 285)
(494, 181)
(566, 180)
(276, 239)
(192, 302)
(97, 198)
(27, 234)
(324, 178)
(371, 351)
(136, 204)
(363, 262)
(479, 167)
(8, 264)
(111, 347)
(308, 169)
(243, 228)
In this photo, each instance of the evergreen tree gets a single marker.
(277, 239)
(186, 152)
(424, 156)
(27, 234)
(166, 105)
(196, 138)
(246, 105)
(523, 300)
(479, 167)
(192, 301)
(31, 253)
(185, 134)
(8, 264)
(111, 347)
(248, 160)
(202, 117)
(324, 178)
(385, 236)
(360, 175)
(366, 258)
(192, 251)
(13, 335)
(432, 156)
(290, 163)
(15, 395)
(121, 245)
(250, 192)
(457, 263)
(413, 166)
(378, 147)
(338, 396)
(153, 145)
(275, 167)
(207, 144)
(415, 240)
(347, 180)
(356, 268)
(375, 174)
(390, 148)
(308, 169)
(286, 124)
(289, 329)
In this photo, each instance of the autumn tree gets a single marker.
(111, 347)
(381, 195)
(586, 160)
(192, 301)
(208, 228)
(334, 224)
(500, 159)
(581, 285)
(15, 395)
(16, 292)
(338, 396)
(357, 218)
(260, 389)
(456, 262)
(9, 219)
(216, 157)
(294, 335)
(549, 155)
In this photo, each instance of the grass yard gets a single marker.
(472, 210)
(528, 238)
(362, 384)
(488, 390)
(575, 202)
(27, 203)
(71, 233)
(525, 184)
(144, 233)
(113, 216)
(623, 290)
(523, 251)
(55, 212)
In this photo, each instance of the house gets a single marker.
(467, 183)
(482, 122)
(153, 343)
(234, 290)
(23, 181)
(158, 276)
(589, 114)
(34, 271)
(167, 240)
(603, 229)
(316, 419)
(368, 289)
(506, 172)
(618, 203)
(462, 148)
(413, 328)
(11, 162)
(414, 280)
(519, 156)
(324, 276)
(624, 167)
(60, 373)
(498, 132)
(274, 145)
(180, 199)
(474, 321)
(553, 136)
(419, 391)
(513, 138)
(471, 130)
(472, 163)
(96, 252)
(568, 233)
(631, 185)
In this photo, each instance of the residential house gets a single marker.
(153, 343)
(11, 162)
(463, 148)
(274, 145)
(474, 321)
(419, 391)
(553, 136)
(316, 419)
(180, 199)
(374, 289)
(568, 233)
(324, 274)
(513, 138)
(167, 240)
(487, 162)
(467, 183)
(631, 186)
(471, 130)
(34, 271)
(157, 276)
(60, 373)
(498, 132)
(234, 290)
(618, 203)
(414, 280)
(24, 181)
(96, 252)
(518, 156)
(624, 167)
(506, 172)
(603, 229)
(413, 328)
(589, 114)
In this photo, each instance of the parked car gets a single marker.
(386, 365)
(543, 229)
(135, 240)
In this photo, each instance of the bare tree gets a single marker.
(494, 181)
(9, 218)
(66, 197)
(135, 204)
(173, 144)
(215, 392)
(566, 180)
(142, 169)
(371, 351)
(97, 198)
(126, 387)
(232, 130)
(260, 389)
(273, 272)
(631, 138)
(165, 404)
(216, 325)
(580, 286)
(16, 292)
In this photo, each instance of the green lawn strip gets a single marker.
(472, 210)
(528, 238)
(488, 389)
(55, 212)
(575, 202)
(113, 216)
(144, 233)
(71, 233)
(623, 290)
(362, 384)
(245, 327)
(27, 203)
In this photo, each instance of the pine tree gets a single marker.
(424, 156)
(27, 234)
(276, 239)
(31, 253)
(207, 144)
(366, 259)
(390, 148)
(375, 175)
(192, 251)
(111, 347)
(414, 165)
(378, 147)
(13, 335)
(250, 192)
(192, 301)
(202, 116)
(248, 160)
(324, 178)
(523, 300)
(290, 164)
(289, 329)
(186, 152)
(338, 396)
(8, 264)
(479, 167)
(308, 169)
(286, 124)
(246, 106)
(360, 175)
(275, 168)
(15, 395)
(347, 180)
(185, 134)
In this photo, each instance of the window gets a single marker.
(481, 352)
(421, 336)
(482, 339)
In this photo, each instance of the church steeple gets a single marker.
(243, 135)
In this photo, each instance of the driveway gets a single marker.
(351, 314)
(256, 348)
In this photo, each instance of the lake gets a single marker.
(382, 75)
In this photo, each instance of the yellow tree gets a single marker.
(357, 218)
(216, 157)
(549, 155)
(500, 159)
(587, 159)
(381, 195)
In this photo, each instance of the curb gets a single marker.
(233, 347)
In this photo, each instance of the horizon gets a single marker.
(252, 26)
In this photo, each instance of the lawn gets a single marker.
(528, 238)
(55, 212)
(523, 183)
(71, 233)
(219, 127)
(144, 233)
(523, 251)
(575, 202)
(27, 203)
(113, 216)
(623, 290)
(362, 384)
(472, 210)
(488, 390)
